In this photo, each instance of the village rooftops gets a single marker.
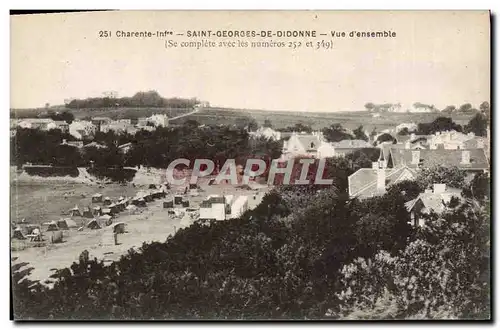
(435, 199)
(352, 144)
(470, 159)
(37, 120)
(309, 142)
(101, 119)
(364, 181)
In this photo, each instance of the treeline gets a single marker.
(465, 108)
(154, 149)
(139, 100)
(301, 254)
(477, 125)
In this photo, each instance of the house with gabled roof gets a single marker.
(345, 147)
(471, 160)
(302, 145)
(432, 200)
(370, 182)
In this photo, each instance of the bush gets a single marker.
(49, 171)
(113, 174)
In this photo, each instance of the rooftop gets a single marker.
(443, 157)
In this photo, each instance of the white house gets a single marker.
(302, 145)
(214, 208)
(58, 124)
(450, 140)
(432, 200)
(267, 132)
(412, 127)
(36, 123)
(158, 120)
(82, 129)
(223, 207)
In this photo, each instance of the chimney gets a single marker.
(412, 136)
(381, 180)
(415, 157)
(382, 163)
(407, 144)
(428, 191)
(465, 157)
(439, 188)
(375, 165)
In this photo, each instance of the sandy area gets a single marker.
(153, 223)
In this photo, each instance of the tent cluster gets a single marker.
(100, 215)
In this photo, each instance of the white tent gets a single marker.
(119, 228)
(75, 212)
(51, 226)
(93, 224)
(106, 219)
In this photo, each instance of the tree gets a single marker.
(442, 274)
(404, 131)
(477, 125)
(451, 176)
(369, 106)
(408, 189)
(438, 125)
(336, 133)
(465, 107)
(478, 188)
(449, 109)
(267, 123)
(360, 134)
(385, 137)
(63, 116)
(299, 127)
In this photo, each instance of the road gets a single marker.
(186, 114)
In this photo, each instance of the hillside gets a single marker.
(279, 119)
(317, 120)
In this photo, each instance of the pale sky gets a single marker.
(438, 58)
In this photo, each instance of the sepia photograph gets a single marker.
(250, 165)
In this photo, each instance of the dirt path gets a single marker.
(186, 114)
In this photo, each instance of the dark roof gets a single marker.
(217, 200)
(213, 200)
(443, 157)
(351, 150)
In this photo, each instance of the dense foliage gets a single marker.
(438, 125)
(477, 125)
(140, 99)
(336, 133)
(157, 148)
(302, 253)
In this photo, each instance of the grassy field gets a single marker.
(317, 120)
(279, 119)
